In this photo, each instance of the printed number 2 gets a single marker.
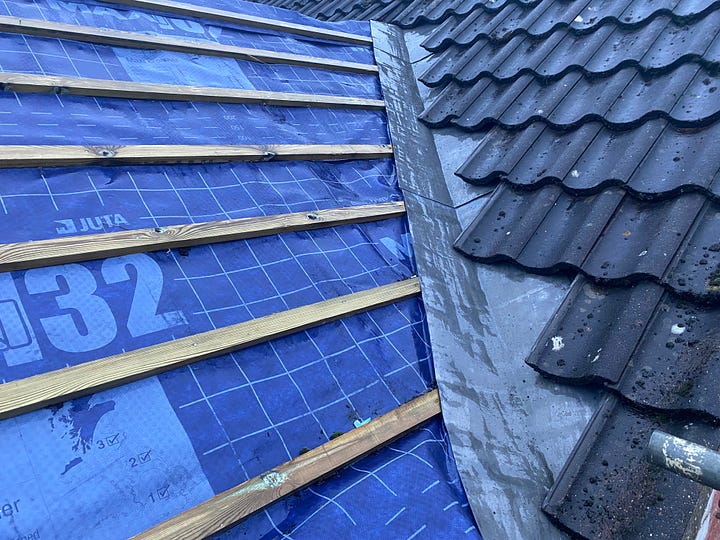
(96, 326)
(143, 318)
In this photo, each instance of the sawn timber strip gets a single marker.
(190, 10)
(231, 506)
(52, 84)
(24, 255)
(74, 156)
(120, 38)
(25, 395)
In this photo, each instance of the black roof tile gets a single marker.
(433, 11)
(436, 11)
(609, 489)
(611, 237)
(655, 48)
(405, 13)
(640, 239)
(576, 17)
(652, 161)
(686, 96)
(595, 331)
(602, 142)
(676, 371)
(697, 265)
(511, 21)
(655, 349)
(376, 11)
(337, 7)
(537, 215)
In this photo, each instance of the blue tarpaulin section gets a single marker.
(114, 463)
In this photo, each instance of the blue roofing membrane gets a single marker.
(115, 463)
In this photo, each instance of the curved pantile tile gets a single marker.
(611, 237)
(686, 96)
(609, 489)
(653, 49)
(654, 161)
(577, 16)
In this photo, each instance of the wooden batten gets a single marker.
(12, 156)
(50, 84)
(107, 36)
(190, 10)
(228, 508)
(24, 255)
(32, 393)
(25, 395)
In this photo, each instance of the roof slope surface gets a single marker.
(113, 463)
(598, 122)
(598, 126)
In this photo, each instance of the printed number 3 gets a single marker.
(96, 326)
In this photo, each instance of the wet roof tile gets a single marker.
(654, 348)
(601, 141)
(595, 331)
(404, 13)
(611, 236)
(652, 161)
(609, 489)
(654, 48)
(686, 96)
(576, 17)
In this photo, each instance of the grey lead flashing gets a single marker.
(511, 430)
(415, 151)
(434, 155)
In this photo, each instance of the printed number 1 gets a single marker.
(95, 325)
